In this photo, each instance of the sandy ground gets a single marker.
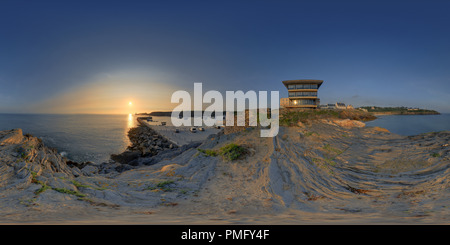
(318, 174)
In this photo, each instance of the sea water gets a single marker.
(78, 137)
(95, 137)
(412, 124)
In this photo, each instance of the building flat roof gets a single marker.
(303, 81)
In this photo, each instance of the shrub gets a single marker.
(43, 188)
(163, 184)
(70, 192)
(210, 153)
(293, 116)
(232, 152)
(434, 154)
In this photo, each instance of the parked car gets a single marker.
(177, 130)
(201, 129)
(193, 130)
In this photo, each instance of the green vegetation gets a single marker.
(78, 185)
(70, 192)
(310, 134)
(43, 188)
(229, 152)
(329, 161)
(207, 152)
(435, 154)
(163, 185)
(399, 110)
(33, 176)
(293, 116)
(232, 152)
(28, 202)
(328, 147)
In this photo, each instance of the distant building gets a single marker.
(363, 109)
(338, 105)
(302, 94)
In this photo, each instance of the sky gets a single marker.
(97, 56)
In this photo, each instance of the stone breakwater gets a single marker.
(328, 171)
(148, 141)
(145, 142)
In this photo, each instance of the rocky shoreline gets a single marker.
(406, 113)
(332, 169)
(145, 142)
(147, 147)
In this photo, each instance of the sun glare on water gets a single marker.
(130, 123)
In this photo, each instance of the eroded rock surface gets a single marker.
(305, 174)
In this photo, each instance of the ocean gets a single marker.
(78, 137)
(94, 138)
(412, 124)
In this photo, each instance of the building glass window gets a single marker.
(303, 102)
(303, 86)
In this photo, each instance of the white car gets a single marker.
(193, 130)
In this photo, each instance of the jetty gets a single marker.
(182, 135)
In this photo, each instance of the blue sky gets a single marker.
(94, 56)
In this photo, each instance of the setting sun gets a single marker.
(130, 103)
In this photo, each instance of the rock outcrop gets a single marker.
(317, 171)
(346, 123)
(145, 142)
(26, 163)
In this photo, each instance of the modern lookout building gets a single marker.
(302, 94)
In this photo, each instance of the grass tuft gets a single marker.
(70, 192)
(208, 152)
(229, 152)
(435, 154)
(232, 152)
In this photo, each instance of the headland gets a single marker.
(377, 111)
(319, 170)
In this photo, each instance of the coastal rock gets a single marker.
(280, 174)
(9, 137)
(61, 184)
(300, 124)
(381, 129)
(346, 123)
(145, 141)
(29, 152)
(126, 157)
(23, 173)
(76, 172)
(89, 170)
(78, 165)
